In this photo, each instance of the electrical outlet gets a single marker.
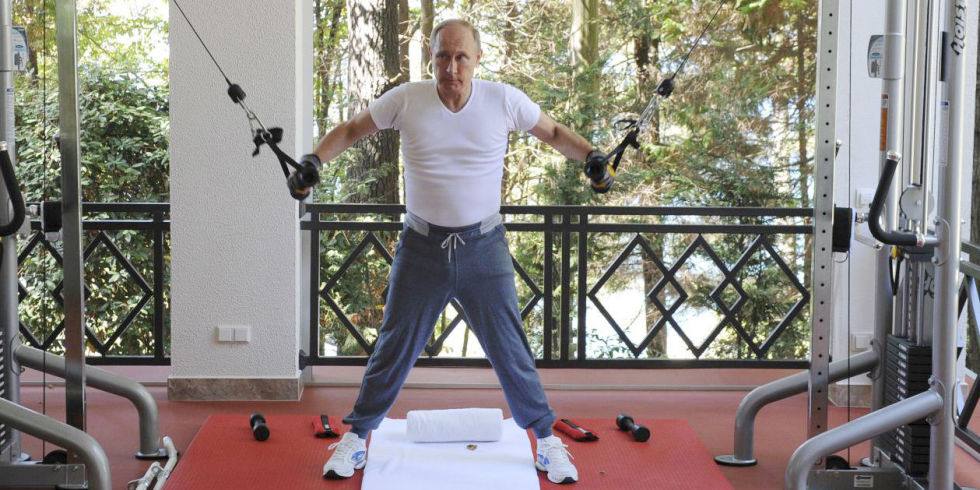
(226, 333)
(860, 341)
(863, 197)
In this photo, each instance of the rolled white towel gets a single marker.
(455, 425)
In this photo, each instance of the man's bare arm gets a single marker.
(344, 135)
(559, 137)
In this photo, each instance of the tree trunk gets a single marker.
(327, 38)
(405, 38)
(646, 55)
(374, 69)
(585, 32)
(584, 44)
(803, 88)
(510, 35)
(652, 274)
(428, 14)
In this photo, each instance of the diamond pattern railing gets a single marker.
(150, 297)
(561, 294)
(969, 304)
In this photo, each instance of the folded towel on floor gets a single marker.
(455, 425)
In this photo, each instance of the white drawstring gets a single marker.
(450, 242)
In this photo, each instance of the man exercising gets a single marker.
(454, 137)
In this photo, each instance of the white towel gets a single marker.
(455, 425)
(394, 462)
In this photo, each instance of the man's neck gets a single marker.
(455, 101)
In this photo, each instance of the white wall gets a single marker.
(236, 240)
(857, 164)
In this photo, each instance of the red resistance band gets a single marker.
(575, 431)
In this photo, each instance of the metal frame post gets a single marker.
(780, 389)
(9, 371)
(95, 472)
(947, 254)
(74, 301)
(892, 132)
(875, 423)
(823, 215)
(146, 406)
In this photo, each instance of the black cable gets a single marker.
(202, 41)
(696, 41)
(850, 76)
(262, 135)
(664, 89)
(44, 189)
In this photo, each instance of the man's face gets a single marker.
(455, 58)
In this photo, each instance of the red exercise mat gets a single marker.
(673, 458)
(223, 455)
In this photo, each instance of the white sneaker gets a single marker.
(553, 457)
(350, 454)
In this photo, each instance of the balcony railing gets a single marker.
(681, 250)
(126, 259)
(571, 262)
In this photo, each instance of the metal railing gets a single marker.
(969, 296)
(565, 292)
(100, 224)
(558, 295)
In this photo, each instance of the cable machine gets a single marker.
(84, 464)
(915, 220)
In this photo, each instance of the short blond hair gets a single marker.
(458, 22)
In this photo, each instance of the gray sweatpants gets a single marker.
(432, 265)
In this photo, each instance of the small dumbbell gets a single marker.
(259, 430)
(625, 422)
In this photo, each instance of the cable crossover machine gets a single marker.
(922, 58)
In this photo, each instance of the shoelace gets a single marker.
(344, 450)
(557, 453)
(451, 242)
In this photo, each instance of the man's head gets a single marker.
(456, 53)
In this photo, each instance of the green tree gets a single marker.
(124, 112)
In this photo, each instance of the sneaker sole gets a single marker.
(567, 479)
(333, 475)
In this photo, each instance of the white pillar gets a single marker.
(236, 242)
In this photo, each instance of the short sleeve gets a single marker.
(386, 110)
(522, 111)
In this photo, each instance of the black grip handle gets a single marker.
(306, 176)
(16, 198)
(895, 238)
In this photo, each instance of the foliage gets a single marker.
(124, 122)
(737, 131)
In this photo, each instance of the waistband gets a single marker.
(423, 227)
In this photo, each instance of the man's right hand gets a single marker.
(303, 179)
(599, 171)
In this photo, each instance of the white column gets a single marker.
(236, 249)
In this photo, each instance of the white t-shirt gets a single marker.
(454, 162)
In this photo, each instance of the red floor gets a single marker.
(711, 413)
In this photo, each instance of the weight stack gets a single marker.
(907, 370)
